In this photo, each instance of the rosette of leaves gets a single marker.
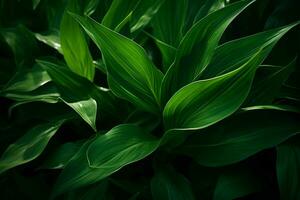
(147, 100)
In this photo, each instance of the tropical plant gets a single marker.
(153, 99)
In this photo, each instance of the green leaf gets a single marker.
(240, 136)
(73, 43)
(27, 80)
(241, 50)
(51, 39)
(267, 83)
(35, 3)
(205, 102)
(20, 37)
(118, 11)
(143, 13)
(79, 93)
(236, 183)
(197, 47)
(131, 74)
(61, 156)
(169, 21)
(167, 184)
(288, 173)
(29, 146)
(106, 154)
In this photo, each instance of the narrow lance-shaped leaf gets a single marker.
(73, 43)
(197, 47)
(131, 74)
(205, 102)
(240, 136)
(106, 154)
(118, 11)
(267, 83)
(29, 146)
(242, 49)
(288, 170)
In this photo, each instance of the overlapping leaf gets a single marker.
(131, 74)
(241, 136)
(205, 102)
(104, 155)
(197, 47)
(29, 146)
(73, 43)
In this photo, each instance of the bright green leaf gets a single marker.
(131, 74)
(205, 102)
(73, 43)
(197, 47)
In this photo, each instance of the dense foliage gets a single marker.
(149, 99)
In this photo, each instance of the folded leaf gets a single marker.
(106, 154)
(167, 184)
(79, 93)
(51, 39)
(288, 170)
(73, 43)
(131, 74)
(205, 102)
(29, 146)
(197, 47)
(240, 136)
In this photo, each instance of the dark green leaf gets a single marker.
(241, 136)
(29, 146)
(288, 170)
(105, 155)
(167, 184)
(235, 183)
(241, 50)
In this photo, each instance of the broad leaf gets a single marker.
(131, 74)
(205, 102)
(288, 170)
(197, 47)
(240, 136)
(73, 43)
(167, 184)
(106, 154)
(29, 146)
